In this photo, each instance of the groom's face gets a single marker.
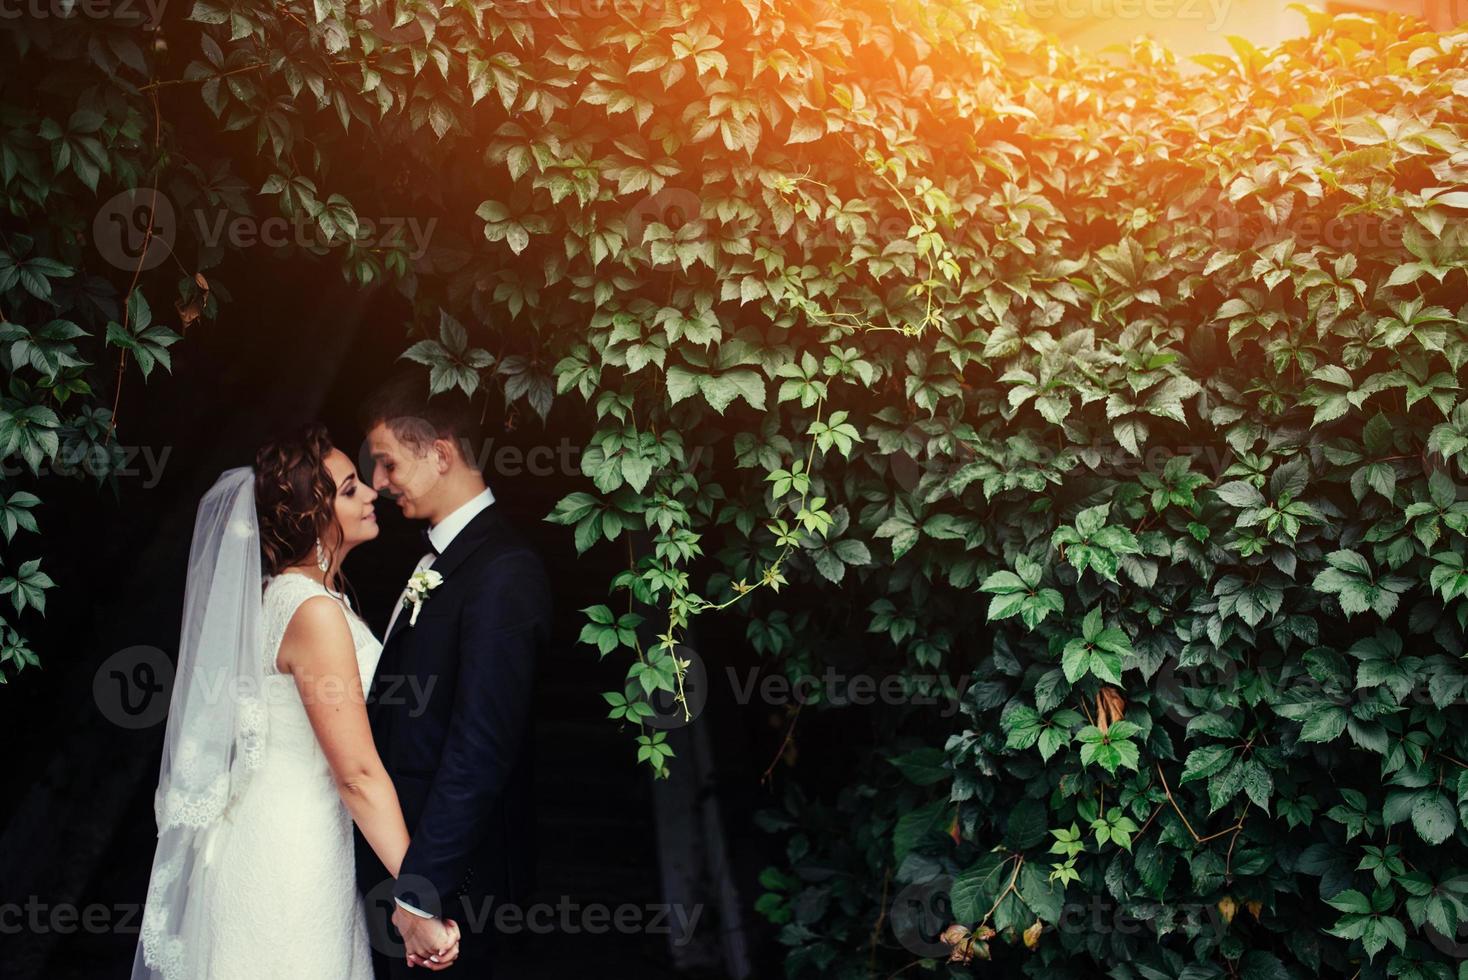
(406, 474)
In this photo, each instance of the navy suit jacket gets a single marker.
(450, 709)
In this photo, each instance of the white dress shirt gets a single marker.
(441, 535)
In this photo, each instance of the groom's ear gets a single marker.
(443, 455)
(446, 454)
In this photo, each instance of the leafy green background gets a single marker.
(1129, 395)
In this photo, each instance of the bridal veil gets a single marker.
(216, 726)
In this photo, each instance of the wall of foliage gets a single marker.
(1127, 394)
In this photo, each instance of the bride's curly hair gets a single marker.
(295, 499)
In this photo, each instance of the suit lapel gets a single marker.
(397, 624)
(483, 527)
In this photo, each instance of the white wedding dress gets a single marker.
(283, 900)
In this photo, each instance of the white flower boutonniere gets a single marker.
(423, 582)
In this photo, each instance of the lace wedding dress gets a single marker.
(283, 899)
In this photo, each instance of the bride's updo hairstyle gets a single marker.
(295, 499)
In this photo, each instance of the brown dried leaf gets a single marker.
(190, 312)
(961, 940)
(1110, 706)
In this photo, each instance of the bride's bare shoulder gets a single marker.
(318, 626)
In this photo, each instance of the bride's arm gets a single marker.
(317, 651)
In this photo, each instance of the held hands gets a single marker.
(430, 943)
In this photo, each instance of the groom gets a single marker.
(449, 704)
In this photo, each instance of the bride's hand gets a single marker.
(445, 959)
(446, 954)
(433, 943)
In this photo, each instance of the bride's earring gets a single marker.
(321, 560)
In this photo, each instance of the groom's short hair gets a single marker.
(416, 418)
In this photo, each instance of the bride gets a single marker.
(268, 758)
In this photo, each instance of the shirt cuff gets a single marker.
(408, 908)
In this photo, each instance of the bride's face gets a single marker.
(353, 501)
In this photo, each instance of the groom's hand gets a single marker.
(432, 943)
(444, 959)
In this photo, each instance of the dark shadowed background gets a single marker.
(83, 733)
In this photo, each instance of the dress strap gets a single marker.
(284, 594)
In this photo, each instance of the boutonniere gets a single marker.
(422, 582)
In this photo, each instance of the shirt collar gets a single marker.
(443, 533)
